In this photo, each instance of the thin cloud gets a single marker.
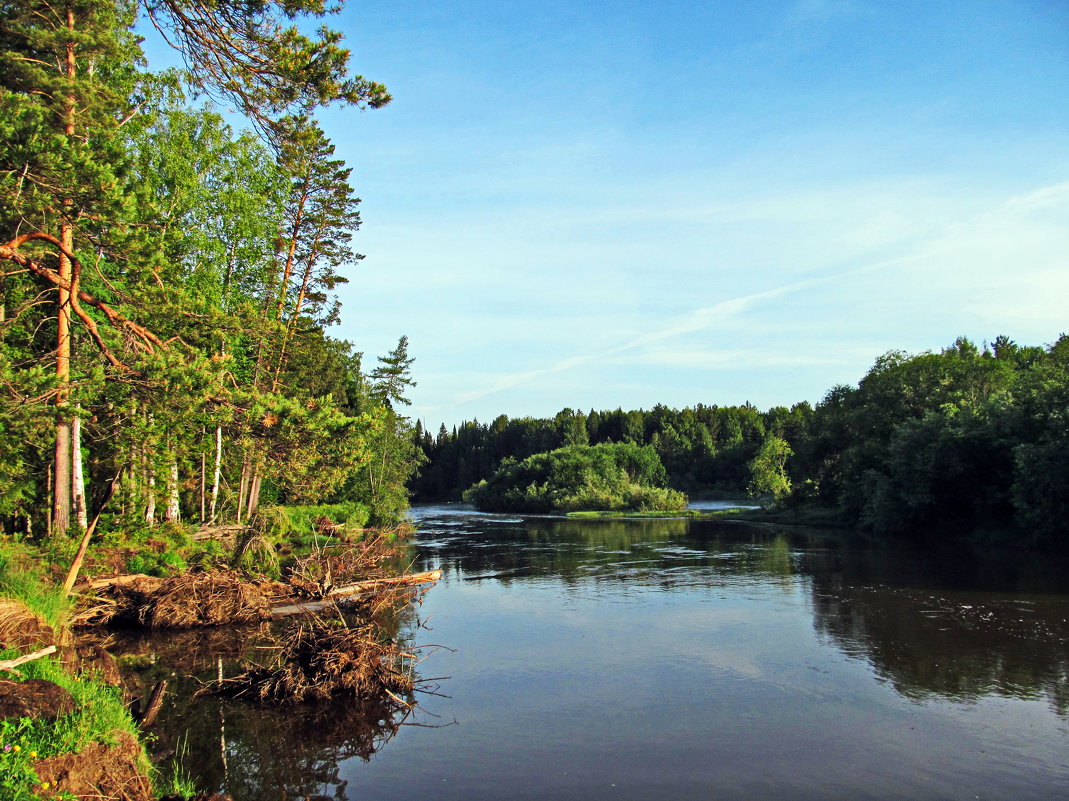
(950, 238)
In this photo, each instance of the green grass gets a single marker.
(20, 583)
(287, 522)
(689, 513)
(99, 714)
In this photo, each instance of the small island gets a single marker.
(617, 476)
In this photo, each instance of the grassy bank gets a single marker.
(680, 513)
(801, 516)
(33, 614)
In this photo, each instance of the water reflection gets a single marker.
(956, 644)
(616, 659)
(952, 624)
(248, 751)
(673, 552)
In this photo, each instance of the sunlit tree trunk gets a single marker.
(173, 510)
(148, 482)
(61, 492)
(78, 474)
(218, 472)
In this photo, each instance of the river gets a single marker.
(671, 659)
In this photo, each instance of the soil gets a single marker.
(99, 771)
(34, 698)
(22, 629)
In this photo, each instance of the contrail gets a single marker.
(703, 318)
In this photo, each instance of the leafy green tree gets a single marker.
(768, 469)
(256, 57)
(610, 476)
(392, 377)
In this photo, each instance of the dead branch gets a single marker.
(361, 588)
(10, 664)
(154, 704)
(10, 252)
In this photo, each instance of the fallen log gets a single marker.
(360, 588)
(117, 581)
(430, 577)
(9, 664)
(219, 532)
(155, 702)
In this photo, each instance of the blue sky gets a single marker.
(603, 204)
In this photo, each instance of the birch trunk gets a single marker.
(78, 475)
(173, 511)
(218, 471)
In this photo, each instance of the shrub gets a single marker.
(609, 476)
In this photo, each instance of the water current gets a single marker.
(682, 659)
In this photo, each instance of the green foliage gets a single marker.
(576, 477)
(208, 261)
(19, 748)
(257, 554)
(99, 713)
(768, 469)
(168, 563)
(965, 440)
(704, 449)
(99, 708)
(21, 581)
(292, 522)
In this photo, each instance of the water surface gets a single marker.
(663, 659)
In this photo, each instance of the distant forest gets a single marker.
(969, 439)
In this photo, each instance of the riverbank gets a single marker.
(70, 728)
(798, 516)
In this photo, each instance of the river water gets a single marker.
(672, 659)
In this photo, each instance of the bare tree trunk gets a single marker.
(243, 489)
(218, 471)
(150, 505)
(61, 474)
(254, 493)
(149, 483)
(61, 490)
(173, 510)
(51, 505)
(78, 474)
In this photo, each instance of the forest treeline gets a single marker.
(967, 440)
(168, 281)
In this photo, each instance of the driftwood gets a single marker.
(321, 660)
(10, 664)
(76, 565)
(212, 599)
(360, 588)
(155, 702)
(219, 532)
(117, 581)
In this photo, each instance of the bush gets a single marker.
(296, 522)
(609, 476)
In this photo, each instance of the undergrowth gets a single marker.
(288, 522)
(99, 710)
(18, 583)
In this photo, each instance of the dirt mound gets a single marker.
(34, 698)
(22, 629)
(99, 771)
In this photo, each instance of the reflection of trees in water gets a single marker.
(951, 643)
(251, 752)
(285, 753)
(666, 552)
